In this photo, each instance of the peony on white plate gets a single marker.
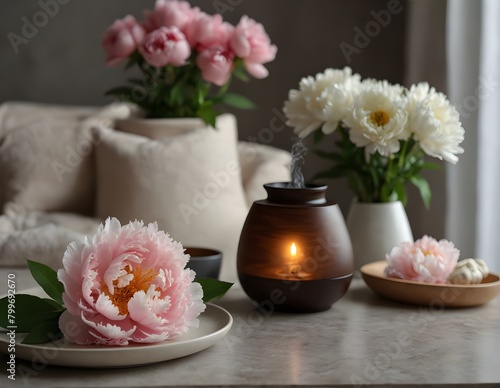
(123, 297)
(215, 323)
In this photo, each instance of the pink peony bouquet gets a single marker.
(181, 51)
(124, 284)
(426, 260)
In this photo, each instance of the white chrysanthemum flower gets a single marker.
(434, 123)
(340, 87)
(378, 120)
(321, 101)
(298, 112)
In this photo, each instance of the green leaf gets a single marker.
(46, 331)
(385, 193)
(423, 186)
(123, 92)
(237, 101)
(430, 166)
(46, 277)
(56, 305)
(213, 288)
(208, 115)
(176, 94)
(240, 73)
(358, 186)
(132, 60)
(401, 193)
(29, 312)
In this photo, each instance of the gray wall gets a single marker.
(63, 62)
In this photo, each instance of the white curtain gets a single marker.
(473, 51)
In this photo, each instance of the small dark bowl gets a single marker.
(205, 262)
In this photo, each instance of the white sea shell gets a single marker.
(469, 271)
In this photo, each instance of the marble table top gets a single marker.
(362, 340)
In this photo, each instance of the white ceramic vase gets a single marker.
(161, 128)
(375, 228)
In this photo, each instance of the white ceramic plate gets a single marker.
(215, 323)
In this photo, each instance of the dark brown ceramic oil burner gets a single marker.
(295, 253)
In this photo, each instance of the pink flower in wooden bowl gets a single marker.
(426, 260)
(128, 284)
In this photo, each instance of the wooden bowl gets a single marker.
(432, 295)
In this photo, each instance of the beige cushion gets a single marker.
(46, 166)
(262, 164)
(45, 156)
(15, 115)
(190, 184)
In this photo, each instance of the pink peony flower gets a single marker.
(165, 46)
(250, 42)
(216, 65)
(127, 284)
(426, 260)
(168, 13)
(121, 39)
(207, 30)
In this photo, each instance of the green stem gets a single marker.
(414, 149)
(402, 154)
(360, 188)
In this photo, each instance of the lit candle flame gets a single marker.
(294, 268)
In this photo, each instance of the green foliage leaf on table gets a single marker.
(30, 311)
(36, 316)
(46, 277)
(45, 331)
(212, 288)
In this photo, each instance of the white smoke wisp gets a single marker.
(299, 151)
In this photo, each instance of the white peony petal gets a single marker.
(149, 338)
(109, 330)
(139, 307)
(117, 270)
(105, 307)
